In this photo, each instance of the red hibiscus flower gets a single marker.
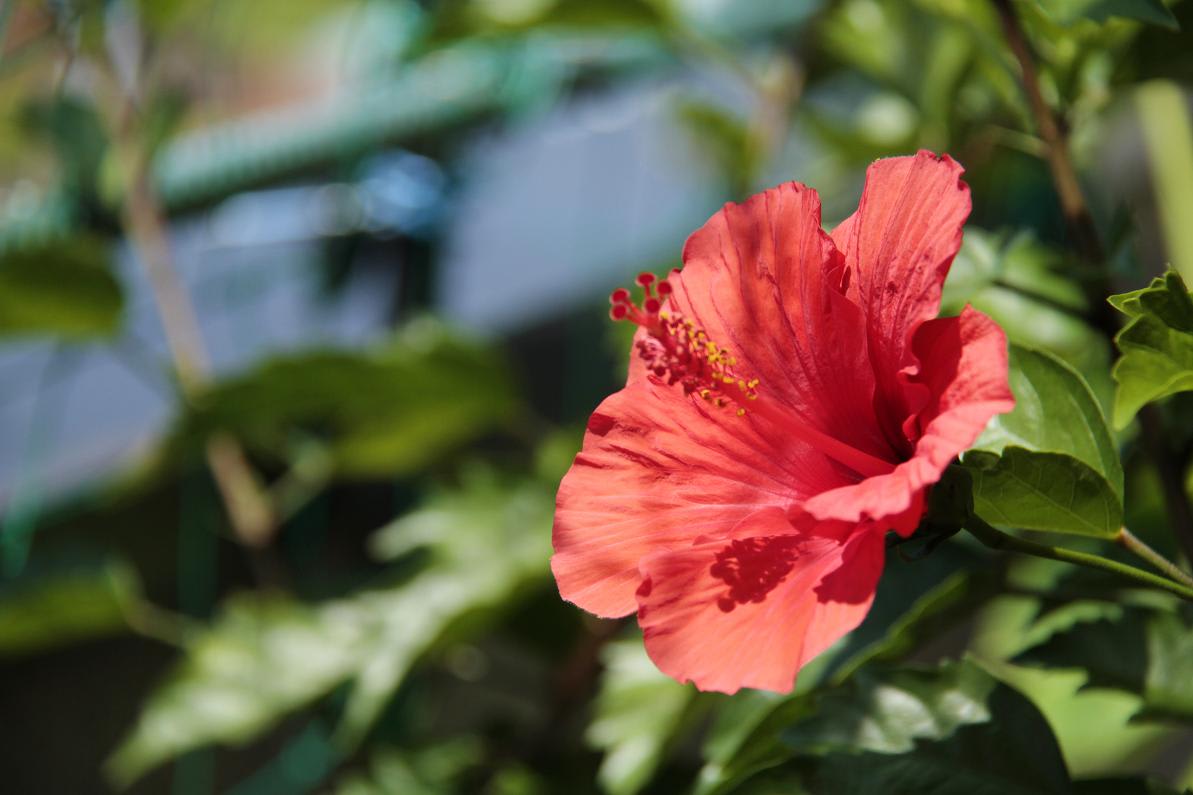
(791, 399)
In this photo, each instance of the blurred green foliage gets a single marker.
(392, 410)
(400, 633)
(65, 288)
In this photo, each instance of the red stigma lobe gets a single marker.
(678, 351)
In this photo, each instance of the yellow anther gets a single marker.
(741, 412)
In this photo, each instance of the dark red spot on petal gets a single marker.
(753, 567)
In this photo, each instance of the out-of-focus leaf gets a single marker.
(486, 542)
(954, 729)
(935, 612)
(1168, 133)
(1027, 287)
(727, 139)
(425, 771)
(60, 609)
(472, 17)
(74, 128)
(1148, 652)
(1014, 263)
(1121, 786)
(262, 658)
(382, 412)
(266, 657)
(1156, 345)
(637, 711)
(747, 736)
(1051, 463)
(944, 58)
(1153, 12)
(65, 288)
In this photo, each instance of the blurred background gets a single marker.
(303, 308)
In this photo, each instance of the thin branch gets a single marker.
(996, 539)
(1136, 546)
(1085, 237)
(1056, 146)
(251, 515)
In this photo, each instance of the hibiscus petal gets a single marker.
(752, 610)
(964, 374)
(898, 247)
(756, 278)
(657, 470)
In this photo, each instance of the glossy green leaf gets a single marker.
(268, 656)
(747, 737)
(1148, 652)
(65, 288)
(1156, 345)
(386, 411)
(1051, 463)
(954, 729)
(637, 711)
(1153, 12)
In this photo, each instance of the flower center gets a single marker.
(680, 352)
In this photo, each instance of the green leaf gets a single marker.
(1121, 786)
(477, 17)
(1051, 463)
(1043, 491)
(267, 656)
(637, 711)
(382, 412)
(1156, 345)
(425, 771)
(1148, 652)
(747, 736)
(263, 657)
(75, 129)
(953, 729)
(934, 613)
(1028, 289)
(65, 288)
(57, 609)
(1153, 12)
(486, 543)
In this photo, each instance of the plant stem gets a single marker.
(1136, 546)
(996, 539)
(1085, 237)
(1072, 201)
(250, 514)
